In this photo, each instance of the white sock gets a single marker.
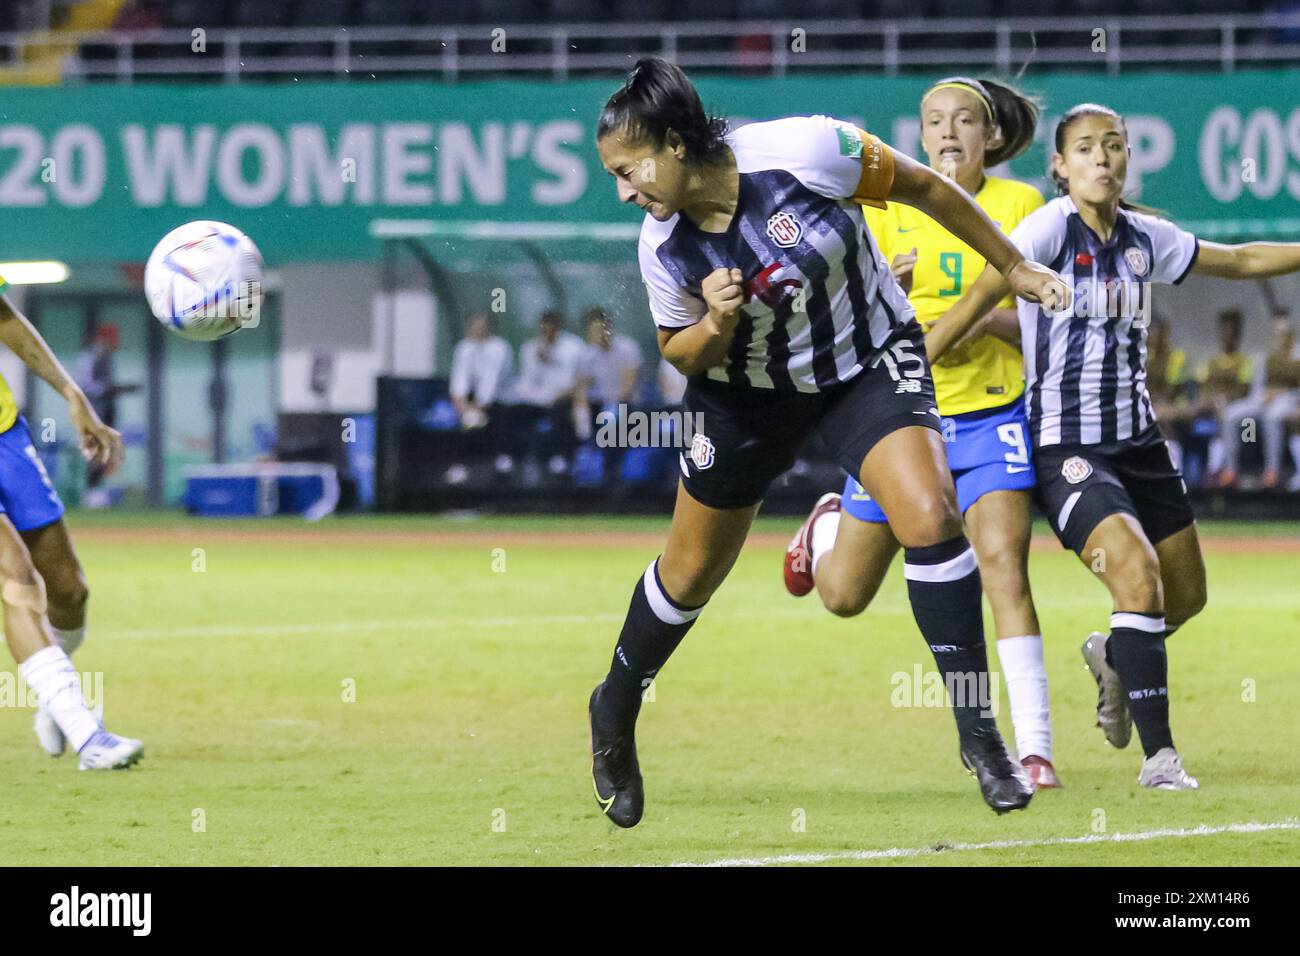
(824, 530)
(70, 639)
(1294, 442)
(49, 672)
(1022, 667)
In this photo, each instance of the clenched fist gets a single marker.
(724, 294)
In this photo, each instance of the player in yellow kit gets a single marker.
(42, 588)
(845, 546)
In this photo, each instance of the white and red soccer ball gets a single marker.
(204, 281)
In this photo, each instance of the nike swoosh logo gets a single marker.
(604, 804)
(913, 229)
(1013, 470)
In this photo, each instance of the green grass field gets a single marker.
(467, 740)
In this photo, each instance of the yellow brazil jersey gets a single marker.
(988, 372)
(8, 407)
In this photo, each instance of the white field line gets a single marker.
(804, 611)
(896, 853)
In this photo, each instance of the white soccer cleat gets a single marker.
(48, 733)
(105, 751)
(1113, 715)
(1164, 771)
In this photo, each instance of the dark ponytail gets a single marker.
(1072, 116)
(1017, 117)
(1013, 114)
(658, 97)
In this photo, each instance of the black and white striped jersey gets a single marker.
(1085, 368)
(820, 299)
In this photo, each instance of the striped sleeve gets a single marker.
(671, 305)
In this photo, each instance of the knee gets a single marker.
(1186, 605)
(1003, 572)
(930, 519)
(1134, 578)
(843, 603)
(67, 588)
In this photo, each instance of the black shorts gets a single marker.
(1080, 485)
(746, 437)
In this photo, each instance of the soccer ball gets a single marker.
(204, 281)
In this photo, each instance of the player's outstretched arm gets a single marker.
(99, 443)
(989, 289)
(948, 204)
(1251, 260)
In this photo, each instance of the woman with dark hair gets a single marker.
(1105, 477)
(845, 546)
(770, 295)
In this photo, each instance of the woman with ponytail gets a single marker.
(1106, 481)
(769, 293)
(846, 545)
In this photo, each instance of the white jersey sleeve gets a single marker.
(831, 157)
(1041, 235)
(671, 305)
(1173, 249)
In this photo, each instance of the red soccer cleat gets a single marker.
(1041, 772)
(798, 555)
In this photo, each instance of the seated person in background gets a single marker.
(1281, 399)
(608, 371)
(1225, 381)
(1170, 386)
(541, 418)
(672, 384)
(480, 367)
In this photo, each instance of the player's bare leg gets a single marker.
(703, 544)
(1130, 664)
(66, 594)
(849, 574)
(1182, 575)
(907, 474)
(1000, 526)
(45, 666)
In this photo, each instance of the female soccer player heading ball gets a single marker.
(770, 295)
(845, 546)
(1106, 481)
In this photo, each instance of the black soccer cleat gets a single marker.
(1003, 783)
(615, 773)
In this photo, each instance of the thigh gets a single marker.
(1118, 553)
(906, 472)
(703, 544)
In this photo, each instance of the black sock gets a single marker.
(943, 583)
(654, 626)
(1137, 648)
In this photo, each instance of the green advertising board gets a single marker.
(96, 174)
